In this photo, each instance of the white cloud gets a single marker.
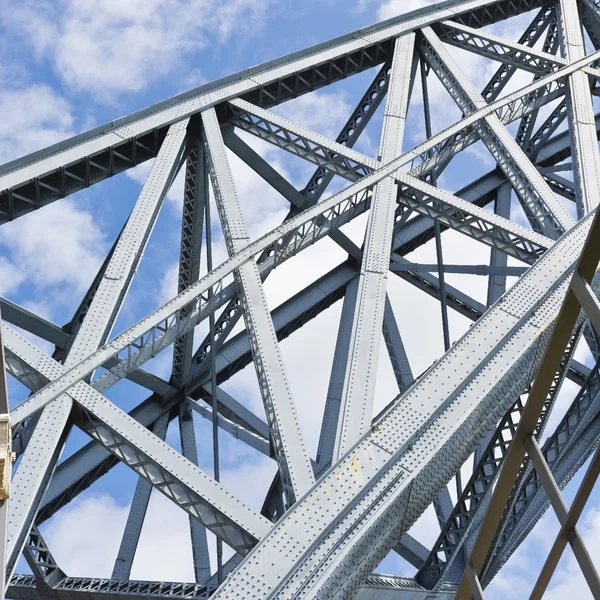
(125, 46)
(58, 245)
(39, 117)
(394, 8)
(94, 525)
(323, 112)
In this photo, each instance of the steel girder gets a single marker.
(343, 518)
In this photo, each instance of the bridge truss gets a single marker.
(328, 522)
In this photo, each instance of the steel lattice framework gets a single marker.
(327, 523)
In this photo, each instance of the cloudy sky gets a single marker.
(70, 65)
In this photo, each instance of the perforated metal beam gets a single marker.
(284, 427)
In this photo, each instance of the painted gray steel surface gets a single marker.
(326, 523)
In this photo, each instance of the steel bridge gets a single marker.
(327, 522)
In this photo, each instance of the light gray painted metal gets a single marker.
(497, 283)
(86, 145)
(194, 197)
(169, 472)
(330, 539)
(358, 394)
(33, 472)
(286, 435)
(187, 435)
(25, 319)
(137, 514)
(546, 214)
(390, 491)
(584, 144)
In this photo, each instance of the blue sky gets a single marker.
(68, 66)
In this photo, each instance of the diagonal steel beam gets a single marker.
(358, 394)
(481, 225)
(169, 472)
(584, 146)
(586, 266)
(485, 44)
(286, 436)
(286, 318)
(33, 472)
(414, 448)
(27, 320)
(545, 213)
(137, 514)
(200, 556)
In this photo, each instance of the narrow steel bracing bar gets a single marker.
(311, 193)
(286, 436)
(550, 46)
(523, 57)
(478, 223)
(78, 318)
(61, 492)
(590, 17)
(80, 470)
(584, 145)
(546, 130)
(333, 401)
(25, 319)
(497, 283)
(492, 271)
(137, 514)
(350, 132)
(299, 200)
(281, 185)
(395, 347)
(105, 461)
(529, 38)
(572, 458)
(413, 449)
(194, 196)
(442, 504)
(356, 406)
(586, 266)
(491, 229)
(87, 158)
(40, 560)
(544, 212)
(412, 551)
(189, 449)
(526, 498)
(252, 439)
(352, 199)
(300, 141)
(561, 186)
